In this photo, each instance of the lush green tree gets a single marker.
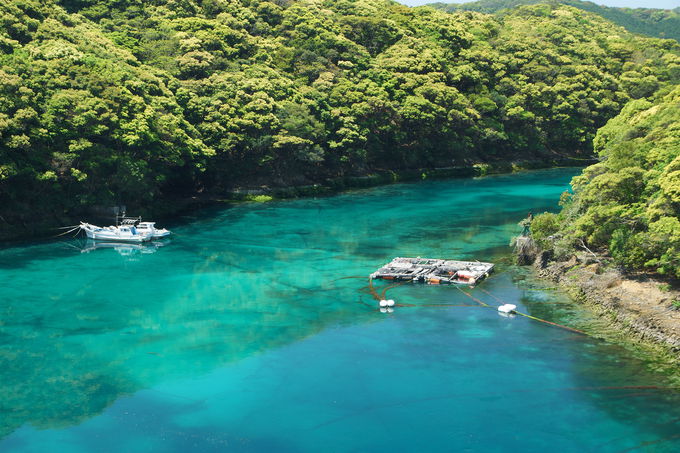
(629, 203)
(659, 23)
(134, 101)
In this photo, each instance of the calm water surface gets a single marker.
(246, 332)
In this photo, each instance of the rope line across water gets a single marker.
(378, 297)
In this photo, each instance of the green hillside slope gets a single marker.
(646, 21)
(131, 101)
(628, 204)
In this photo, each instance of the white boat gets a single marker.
(150, 227)
(122, 233)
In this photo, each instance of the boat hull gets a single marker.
(129, 240)
(160, 234)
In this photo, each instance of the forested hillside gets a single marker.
(628, 204)
(658, 23)
(131, 101)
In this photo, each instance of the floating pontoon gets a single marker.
(434, 271)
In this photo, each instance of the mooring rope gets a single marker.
(532, 317)
(67, 232)
(489, 294)
(372, 290)
(351, 276)
(383, 295)
(438, 305)
(550, 322)
(481, 303)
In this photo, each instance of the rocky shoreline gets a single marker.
(643, 307)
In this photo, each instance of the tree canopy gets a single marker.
(659, 23)
(629, 203)
(103, 102)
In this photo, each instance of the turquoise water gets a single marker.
(244, 333)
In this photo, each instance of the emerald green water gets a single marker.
(242, 333)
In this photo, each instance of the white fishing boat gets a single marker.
(121, 233)
(127, 229)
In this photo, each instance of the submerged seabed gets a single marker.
(245, 332)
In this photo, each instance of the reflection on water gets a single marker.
(124, 249)
(245, 326)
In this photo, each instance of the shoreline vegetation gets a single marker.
(615, 245)
(169, 208)
(625, 208)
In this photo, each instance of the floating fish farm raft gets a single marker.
(434, 271)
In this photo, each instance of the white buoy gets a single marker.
(390, 310)
(390, 303)
(383, 310)
(507, 308)
(383, 303)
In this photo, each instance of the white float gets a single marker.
(507, 308)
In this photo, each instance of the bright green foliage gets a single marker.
(112, 101)
(629, 203)
(543, 227)
(81, 121)
(647, 21)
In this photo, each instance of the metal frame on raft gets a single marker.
(434, 271)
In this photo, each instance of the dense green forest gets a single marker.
(131, 101)
(629, 203)
(658, 23)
